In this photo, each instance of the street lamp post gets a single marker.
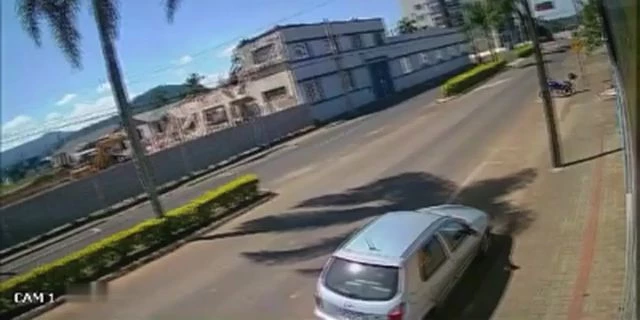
(550, 118)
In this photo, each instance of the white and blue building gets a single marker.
(341, 65)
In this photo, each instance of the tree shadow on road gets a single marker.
(480, 290)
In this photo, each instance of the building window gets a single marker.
(313, 91)
(453, 52)
(215, 115)
(159, 127)
(424, 59)
(405, 63)
(417, 6)
(347, 80)
(356, 41)
(263, 54)
(420, 17)
(333, 45)
(300, 51)
(378, 38)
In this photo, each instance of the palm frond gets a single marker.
(107, 10)
(29, 13)
(62, 18)
(171, 6)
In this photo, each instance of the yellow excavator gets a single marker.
(108, 151)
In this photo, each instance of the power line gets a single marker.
(233, 40)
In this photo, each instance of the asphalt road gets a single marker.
(263, 265)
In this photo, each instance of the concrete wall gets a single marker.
(78, 199)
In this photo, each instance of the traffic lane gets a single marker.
(303, 151)
(238, 272)
(281, 262)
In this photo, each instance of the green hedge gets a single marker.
(466, 80)
(124, 247)
(524, 51)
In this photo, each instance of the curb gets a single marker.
(264, 197)
(447, 99)
(32, 245)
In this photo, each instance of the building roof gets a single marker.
(72, 145)
(295, 25)
(390, 235)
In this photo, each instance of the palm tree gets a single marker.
(61, 15)
(406, 25)
(479, 15)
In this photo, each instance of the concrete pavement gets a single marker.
(263, 265)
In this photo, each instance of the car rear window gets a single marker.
(361, 281)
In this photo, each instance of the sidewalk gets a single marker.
(565, 234)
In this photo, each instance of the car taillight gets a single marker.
(396, 313)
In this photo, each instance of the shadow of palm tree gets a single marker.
(480, 289)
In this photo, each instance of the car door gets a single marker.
(436, 268)
(462, 246)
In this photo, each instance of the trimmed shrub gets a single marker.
(524, 51)
(466, 80)
(119, 249)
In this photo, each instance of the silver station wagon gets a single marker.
(402, 264)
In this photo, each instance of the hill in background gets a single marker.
(50, 142)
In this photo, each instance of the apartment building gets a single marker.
(433, 13)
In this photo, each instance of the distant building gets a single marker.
(341, 65)
(434, 13)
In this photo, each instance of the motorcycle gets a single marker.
(561, 88)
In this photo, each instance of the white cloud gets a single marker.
(104, 87)
(84, 114)
(53, 116)
(17, 124)
(66, 99)
(186, 59)
(226, 52)
(22, 129)
(13, 131)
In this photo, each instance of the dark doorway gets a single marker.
(381, 80)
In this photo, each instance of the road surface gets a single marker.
(263, 265)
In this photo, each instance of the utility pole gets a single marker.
(344, 75)
(549, 113)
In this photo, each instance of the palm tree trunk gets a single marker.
(140, 160)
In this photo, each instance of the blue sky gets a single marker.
(40, 90)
